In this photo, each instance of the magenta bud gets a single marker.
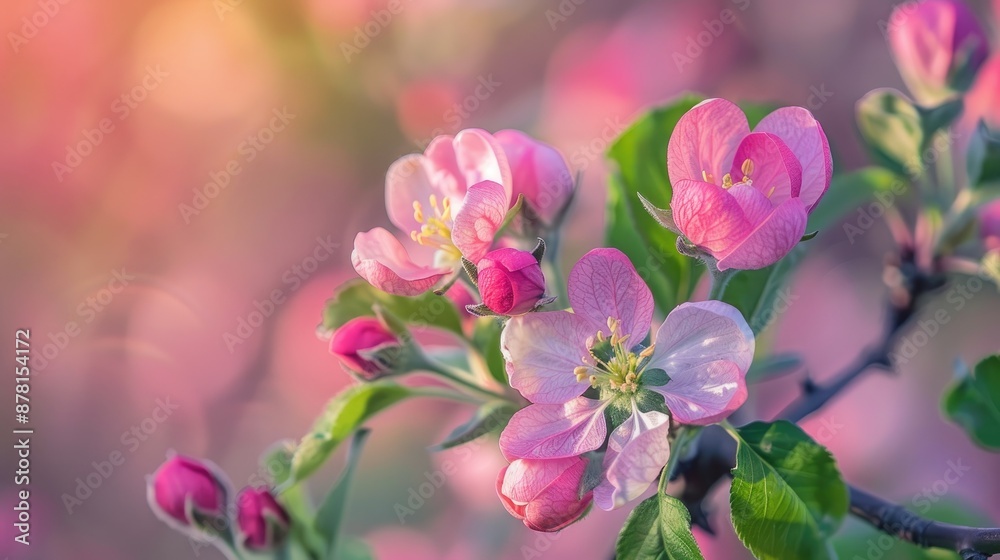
(263, 522)
(188, 493)
(938, 46)
(510, 281)
(539, 172)
(545, 493)
(366, 347)
(989, 225)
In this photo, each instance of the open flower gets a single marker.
(938, 46)
(450, 201)
(742, 196)
(694, 371)
(544, 494)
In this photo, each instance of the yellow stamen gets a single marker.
(770, 192)
(727, 180)
(647, 352)
(707, 177)
(418, 212)
(747, 168)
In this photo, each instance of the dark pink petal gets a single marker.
(380, 258)
(541, 351)
(637, 452)
(554, 431)
(771, 240)
(802, 133)
(527, 478)
(604, 284)
(776, 171)
(544, 494)
(705, 140)
(479, 219)
(708, 215)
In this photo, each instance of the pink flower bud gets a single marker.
(263, 522)
(510, 281)
(539, 172)
(366, 347)
(183, 486)
(989, 225)
(938, 46)
(544, 493)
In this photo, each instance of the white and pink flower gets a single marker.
(577, 366)
(450, 201)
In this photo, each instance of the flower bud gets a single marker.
(544, 493)
(366, 348)
(188, 493)
(989, 225)
(938, 46)
(263, 522)
(510, 281)
(539, 172)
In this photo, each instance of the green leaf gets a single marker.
(486, 337)
(343, 414)
(787, 496)
(851, 191)
(893, 130)
(356, 298)
(491, 417)
(773, 366)
(937, 118)
(640, 157)
(762, 295)
(973, 402)
(659, 528)
(330, 515)
(655, 377)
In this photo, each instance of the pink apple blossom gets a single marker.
(742, 196)
(263, 522)
(938, 46)
(544, 493)
(539, 172)
(450, 201)
(186, 492)
(693, 372)
(510, 281)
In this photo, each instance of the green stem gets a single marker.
(685, 436)
(720, 279)
(554, 271)
(455, 377)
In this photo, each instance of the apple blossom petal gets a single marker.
(637, 451)
(604, 284)
(705, 140)
(407, 181)
(804, 136)
(479, 219)
(539, 172)
(756, 207)
(544, 493)
(771, 240)
(541, 351)
(708, 215)
(705, 393)
(481, 158)
(776, 171)
(700, 332)
(380, 258)
(554, 431)
(443, 168)
(527, 478)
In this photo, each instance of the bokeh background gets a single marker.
(167, 165)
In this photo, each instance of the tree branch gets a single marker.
(970, 542)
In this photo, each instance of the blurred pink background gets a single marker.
(168, 165)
